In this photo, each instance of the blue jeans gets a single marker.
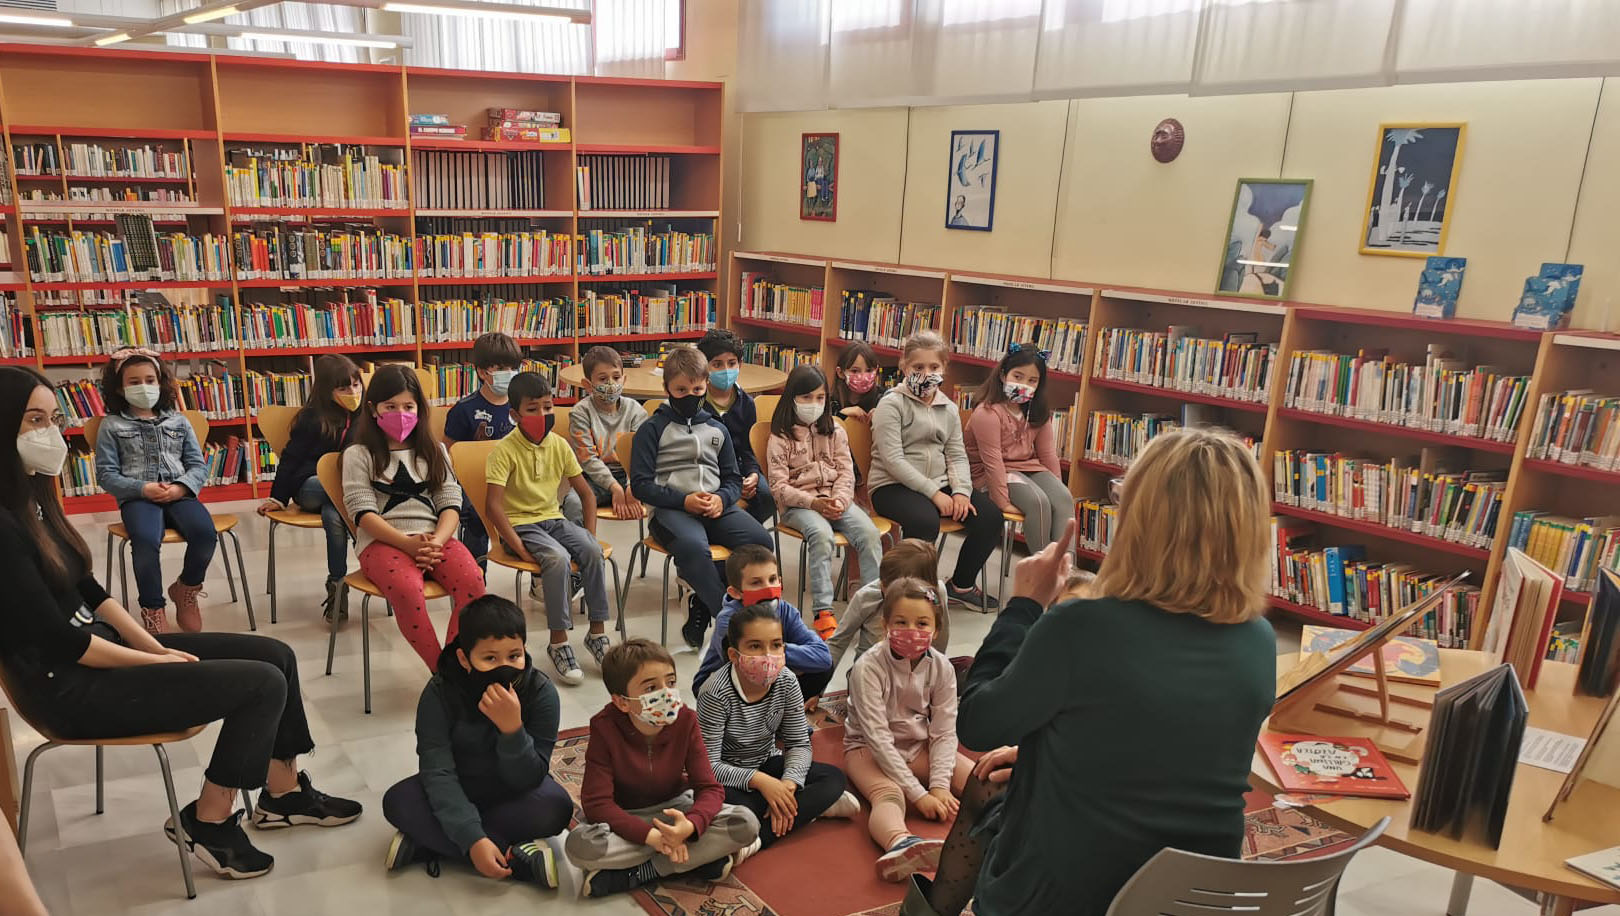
(554, 544)
(687, 538)
(311, 497)
(145, 521)
(818, 538)
(762, 505)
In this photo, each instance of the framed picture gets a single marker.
(970, 187)
(1412, 189)
(819, 177)
(1262, 237)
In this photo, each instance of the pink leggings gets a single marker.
(400, 581)
(887, 823)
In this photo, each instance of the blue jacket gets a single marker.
(671, 458)
(806, 652)
(131, 453)
(739, 421)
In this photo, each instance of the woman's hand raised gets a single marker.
(1040, 578)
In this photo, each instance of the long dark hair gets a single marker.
(389, 382)
(857, 349)
(802, 380)
(331, 371)
(31, 498)
(112, 383)
(1026, 355)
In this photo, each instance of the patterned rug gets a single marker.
(1274, 833)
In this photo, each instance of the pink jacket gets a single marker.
(897, 712)
(809, 465)
(998, 440)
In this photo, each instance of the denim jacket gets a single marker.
(131, 453)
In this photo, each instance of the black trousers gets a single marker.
(251, 682)
(918, 517)
(821, 788)
(540, 812)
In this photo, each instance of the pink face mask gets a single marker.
(910, 642)
(860, 382)
(760, 670)
(397, 425)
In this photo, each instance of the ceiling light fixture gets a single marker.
(490, 10)
(112, 39)
(320, 40)
(36, 19)
(210, 15)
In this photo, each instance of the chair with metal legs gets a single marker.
(275, 423)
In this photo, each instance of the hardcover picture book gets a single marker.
(1408, 659)
(1469, 760)
(1549, 297)
(1599, 671)
(1603, 865)
(1438, 287)
(1527, 598)
(1312, 765)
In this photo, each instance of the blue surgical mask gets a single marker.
(722, 379)
(500, 380)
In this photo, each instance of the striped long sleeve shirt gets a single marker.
(741, 735)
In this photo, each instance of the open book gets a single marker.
(1527, 598)
(1469, 760)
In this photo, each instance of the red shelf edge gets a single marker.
(1374, 529)
(1573, 470)
(1408, 432)
(1174, 394)
(1316, 615)
(808, 330)
(642, 278)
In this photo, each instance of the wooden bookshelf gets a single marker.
(206, 105)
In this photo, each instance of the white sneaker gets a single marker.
(847, 805)
(598, 646)
(739, 857)
(562, 656)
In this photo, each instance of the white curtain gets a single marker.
(1116, 47)
(315, 17)
(631, 37)
(782, 50)
(511, 45)
(888, 52)
(1445, 40)
(1268, 45)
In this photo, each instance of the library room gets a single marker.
(490, 454)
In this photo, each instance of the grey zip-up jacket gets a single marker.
(133, 452)
(919, 445)
(671, 458)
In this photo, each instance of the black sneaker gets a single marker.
(697, 623)
(224, 847)
(403, 853)
(971, 596)
(710, 871)
(534, 861)
(609, 881)
(306, 805)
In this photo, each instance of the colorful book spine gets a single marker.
(987, 332)
(285, 389)
(778, 356)
(104, 257)
(372, 321)
(880, 319)
(1441, 395)
(1235, 366)
(1462, 507)
(656, 311)
(445, 321)
(170, 329)
(319, 176)
(291, 253)
(765, 299)
(219, 397)
(637, 251)
(1576, 548)
(495, 254)
(16, 331)
(79, 474)
(1577, 427)
(1099, 521)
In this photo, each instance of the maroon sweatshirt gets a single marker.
(625, 769)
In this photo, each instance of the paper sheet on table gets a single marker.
(1550, 750)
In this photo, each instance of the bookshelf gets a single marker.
(407, 251)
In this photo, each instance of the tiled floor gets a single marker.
(85, 864)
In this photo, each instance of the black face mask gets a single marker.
(686, 406)
(504, 675)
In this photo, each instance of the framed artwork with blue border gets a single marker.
(970, 186)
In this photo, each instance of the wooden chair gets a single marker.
(1177, 883)
(276, 422)
(435, 421)
(651, 405)
(470, 461)
(330, 472)
(649, 544)
(765, 407)
(224, 524)
(605, 513)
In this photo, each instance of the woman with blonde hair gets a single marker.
(1139, 707)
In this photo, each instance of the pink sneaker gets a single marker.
(187, 613)
(155, 620)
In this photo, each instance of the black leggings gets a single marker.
(822, 786)
(918, 517)
(251, 682)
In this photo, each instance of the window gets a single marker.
(675, 30)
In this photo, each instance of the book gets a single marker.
(1313, 765)
(429, 120)
(1470, 756)
(1549, 297)
(525, 114)
(1438, 287)
(1527, 595)
(1603, 865)
(1599, 672)
(1408, 659)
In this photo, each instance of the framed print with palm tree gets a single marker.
(1412, 190)
(1262, 237)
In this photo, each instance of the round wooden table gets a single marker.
(647, 381)
(1533, 851)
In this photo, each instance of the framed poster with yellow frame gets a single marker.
(1412, 189)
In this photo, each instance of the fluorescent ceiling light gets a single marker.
(113, 39)
(319, 40)
(494, 11)
(211, 15)
(35, 19)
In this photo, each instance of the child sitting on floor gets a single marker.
(651, 805)
(862, 623)
(745, 708)
(753, 576)
(902, 729)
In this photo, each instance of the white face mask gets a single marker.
(142, 396)
(660, 707)
(42, 451)
(809, 413)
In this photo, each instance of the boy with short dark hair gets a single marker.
(682, 465)
(525, 472)
(735, 408)
(753, 576)
(485, 726)
(652, 807)
(595, 425)
(483, 415)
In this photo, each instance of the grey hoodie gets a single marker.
(919, 445)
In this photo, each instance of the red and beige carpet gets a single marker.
(839, 855)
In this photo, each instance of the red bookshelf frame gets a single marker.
(1382, 531)
(1578, 471)
(808, 330)
(1317, 615)
(1407, 432)
(1174, 394)
(643, 278)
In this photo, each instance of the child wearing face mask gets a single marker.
(525, 472)
(485, 726)
(651, 805)
(920, 471)
(1012, 448)
(483, 415)
(149, 460)
(813, 476)
(733, 406)
(753, 576)
(595, 425)
(405, 506)
(323, 425)
(901, 730)
(856, 388)
(747, 708)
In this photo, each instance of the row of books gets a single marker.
(461, 319)
(55, 256)
(366, 320)
(1236, 365)
(779, 356)
(762, 297)
(1577, 549)
(166, 329)
(637, 250)
(78, 476)
(276, 252)
(987, 331)
(287, 389)
(226, 462)
(219, 397)
(504, 180)
(1577, 427)
(1099, 521)
(1117, 438)
(1441, 395)
(460, 380)
(623, 182)
(877, 317)
(16, 331)
(93, 160)
(315, 175)
(649, 309)
(495, 254)
(1457, 506)
(263, 461)
(79, 399)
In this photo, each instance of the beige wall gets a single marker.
(1079, 197)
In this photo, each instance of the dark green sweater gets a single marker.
(1136, 730)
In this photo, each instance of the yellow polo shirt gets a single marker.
(532, 475)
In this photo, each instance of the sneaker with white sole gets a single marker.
(598, 645)
(909, 855)
(562, 657)
(304, 805)
(223, 847)
(847, 805)
(739, 857)
(534, 862)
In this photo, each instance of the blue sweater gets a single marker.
(671, 458)
(807, 653)
(739, 421)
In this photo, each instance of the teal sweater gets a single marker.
(1136, 730)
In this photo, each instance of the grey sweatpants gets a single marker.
(555, 544)
(596, 846)
(1046, 503)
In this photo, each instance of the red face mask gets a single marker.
(537, 426)
(910, 642)
(761, 595)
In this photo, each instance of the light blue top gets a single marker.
(132, 452)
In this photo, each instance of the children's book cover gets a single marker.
(1331, 766)
(1406, 658)
(1603, 865)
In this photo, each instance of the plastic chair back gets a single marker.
(860, 445)
(651, 405)
(469, 461)
(759, 437)
(92, 428)
(275, 423)
(435, 420)
(199, 424)
(765, 406)
(329, 470)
